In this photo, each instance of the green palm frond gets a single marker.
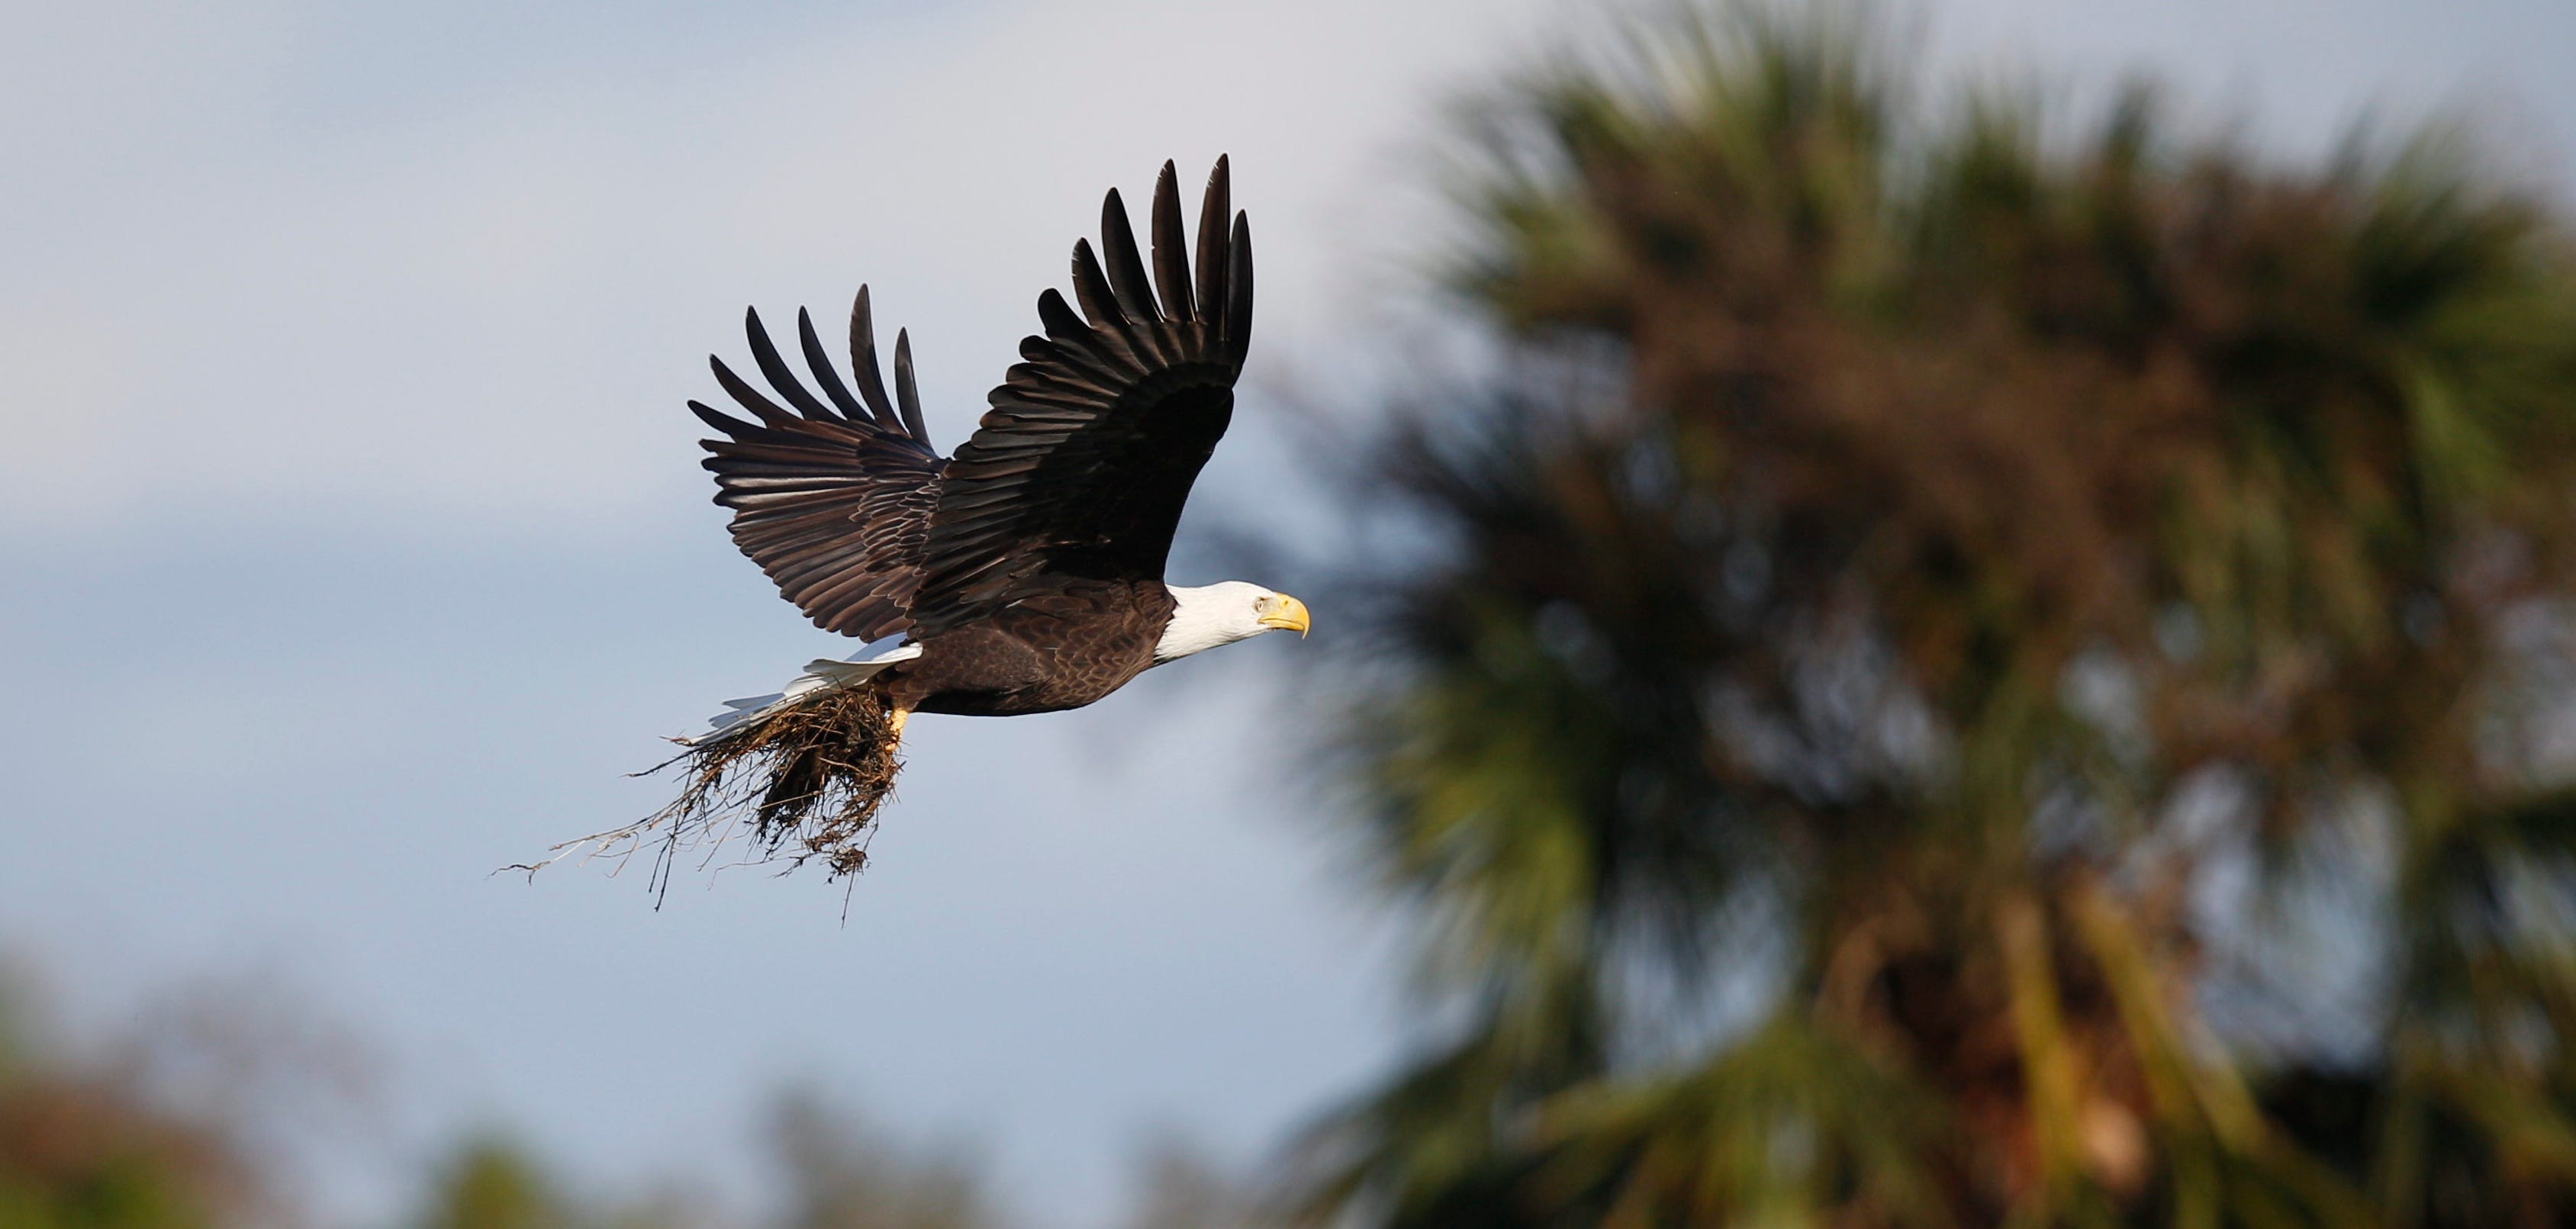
(1981, 536)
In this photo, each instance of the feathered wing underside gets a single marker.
(832, 498)
(1084, 461)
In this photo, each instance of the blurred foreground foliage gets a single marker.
(121, 1133)
(87, 1147)
(833, 1171)
(1971, 666)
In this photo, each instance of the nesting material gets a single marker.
(805, 778)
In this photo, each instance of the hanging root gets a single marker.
(808, 779)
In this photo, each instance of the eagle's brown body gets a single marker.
(1064, 650)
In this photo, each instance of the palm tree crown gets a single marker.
(1974, 673)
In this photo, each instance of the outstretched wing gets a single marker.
(833, 501)
(1083, 463)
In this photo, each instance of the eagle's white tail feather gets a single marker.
(821, 675)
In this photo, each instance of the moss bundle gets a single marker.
(807, 778)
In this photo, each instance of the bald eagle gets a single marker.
(1024, 573)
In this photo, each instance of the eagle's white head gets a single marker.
(1209, 615)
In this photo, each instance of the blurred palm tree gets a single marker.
(1972, 669)
(843, 1173)
(491, 1183)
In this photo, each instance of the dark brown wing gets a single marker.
(833, 501)
(1087, 455)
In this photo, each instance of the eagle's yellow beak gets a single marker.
(1287, 613)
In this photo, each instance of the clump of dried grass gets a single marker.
(807, 781)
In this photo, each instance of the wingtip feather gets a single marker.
(1126, 266)
(1171, 255)
(1216, 205)
(1238, 306)
(824, 373)
(781, 377)
(1091, 289)
(907, 395)
(863, 359)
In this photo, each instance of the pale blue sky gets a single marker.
(346, 346)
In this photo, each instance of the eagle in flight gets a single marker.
(1024, 573)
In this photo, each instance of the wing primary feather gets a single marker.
(720, 421)
(780, 375)
(863, 360)
(1214, 209)
(1091, 289)
(1171, 256)
(742, 391)
(906, 395)
(1126, 266)
(1238, 303)
(1058, 316)
(821, 362)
